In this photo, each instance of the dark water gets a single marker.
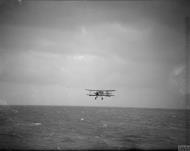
(51, 127)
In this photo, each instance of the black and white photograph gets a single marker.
(95, 75)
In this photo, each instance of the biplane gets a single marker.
(100, 93)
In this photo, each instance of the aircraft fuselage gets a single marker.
(100, 93)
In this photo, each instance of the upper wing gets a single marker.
(109, 90)
(92, 90)
(99, 90)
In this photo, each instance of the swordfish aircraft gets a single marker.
(100, 93)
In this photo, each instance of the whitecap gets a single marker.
(36, 124)
(105, 125)
(28, 124)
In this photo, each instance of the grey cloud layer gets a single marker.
(133, 46)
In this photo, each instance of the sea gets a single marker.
(86, 128)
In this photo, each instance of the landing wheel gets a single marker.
(102, 98)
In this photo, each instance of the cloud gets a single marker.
(3, 102)
(178, 79)
(32, 67)
(132, 46)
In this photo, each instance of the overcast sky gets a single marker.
(50, 51)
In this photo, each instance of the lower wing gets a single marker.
(107, 95)
(100, 90)
(91, 95)
(100, 95)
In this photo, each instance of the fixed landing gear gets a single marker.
(97, 97)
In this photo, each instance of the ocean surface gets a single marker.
(63, 127)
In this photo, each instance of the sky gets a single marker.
(50, 51)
